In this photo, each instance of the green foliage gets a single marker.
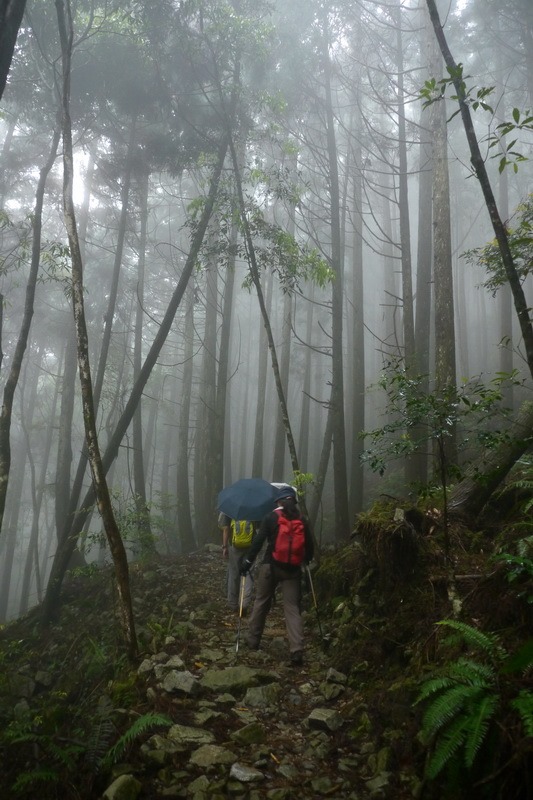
(418, 416)
(520, 566)
(141, 726)
(468, 699)
(475, 98)
(520, 238)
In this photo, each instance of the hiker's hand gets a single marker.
(225, 551)
(245, 567)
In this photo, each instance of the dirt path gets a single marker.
(291, 732)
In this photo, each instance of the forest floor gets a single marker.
(246, 725)
(198, 717)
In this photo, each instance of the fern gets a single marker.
(523, 703)
(449, 743)
(26, 779)
(446, 707)
(478, 725)
(139, 727)
(463, 699)
(474, 638)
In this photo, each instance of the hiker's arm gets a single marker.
(309, 544)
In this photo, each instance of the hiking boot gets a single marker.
(297, 658)
(251, 645)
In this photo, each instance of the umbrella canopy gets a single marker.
(248, 499)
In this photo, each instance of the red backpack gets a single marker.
(289, 547)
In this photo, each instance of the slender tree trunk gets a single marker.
(185, 526)
(223, 366)
(478, 164)
(22, 341)
(445, 370)
(11, 525)
(205, 488)
(68, 542)
(116, 545)
(340, 482)
(258, 463)
(37, 492)
(147, 542)
(11, 13)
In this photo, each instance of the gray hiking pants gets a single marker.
(235, 556)
(267, 578)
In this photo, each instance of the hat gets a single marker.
(285, 493)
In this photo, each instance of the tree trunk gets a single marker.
(22, 342)
(147, 543)
(185, 527)
(11, 13)
(445, 370)
(478, 164)
(258, 462)
(340, 483)
(101, 490)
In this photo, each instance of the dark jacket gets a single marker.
(267, 533)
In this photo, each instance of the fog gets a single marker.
(342, 223)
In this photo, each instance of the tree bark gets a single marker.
(101, 490)
(478, 164)
(11, 13)
(68, 541)
(22, 341)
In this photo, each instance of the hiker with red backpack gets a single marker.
(289, 546)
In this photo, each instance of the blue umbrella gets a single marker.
(248, 498)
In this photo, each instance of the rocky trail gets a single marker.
(243, 724)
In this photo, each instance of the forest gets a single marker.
(288, 240)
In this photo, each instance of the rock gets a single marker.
(322, 785)
(254, 733)
(245, 774)
(231, 679)
(210, 754)
(205, 715)
(262, 696)
(181, 682)
(290, 772)
(126, 787)
(336, 677)
(43, 678)
(325, 719)
(378, 783)
(145, 667)
(183, 734)
(330, 691)
(175, 662)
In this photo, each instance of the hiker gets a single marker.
(289, 545)
(237, 536)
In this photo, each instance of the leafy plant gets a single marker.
(520, 237)
(140, 727)
(520, 566)
(468, 700)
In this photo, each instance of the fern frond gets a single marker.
(444, 708)
(26, 779)
(99, 740)
(478, 724)
(447, 745)
(467, 671)
(139, 727)
(487, 642)
(434, 686)
(523, 703)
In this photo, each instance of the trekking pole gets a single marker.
(241, 603)
(325, 639)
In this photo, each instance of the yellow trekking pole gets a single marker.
(241, 603)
